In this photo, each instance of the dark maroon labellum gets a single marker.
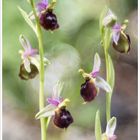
(49, 20)
(88, 91)
(62, 118)
(24, 75)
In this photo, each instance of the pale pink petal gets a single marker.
(47, 111)
(57, 90)
(54, 102)
(24, 42)
(116, 33)
(96, 65)
(101, 83)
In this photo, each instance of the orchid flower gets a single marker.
(93, 82)
(110, 129)
(121, 41)
(30, 60)
(56, 108)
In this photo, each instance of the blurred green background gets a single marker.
(69, 48)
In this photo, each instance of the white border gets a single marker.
(138, 69)
(0, 69)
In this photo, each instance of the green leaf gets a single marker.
(98, 131)
(111, 81)
(27, 19)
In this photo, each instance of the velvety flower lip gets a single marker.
(48, 20)
(42, 5)
(116, 33)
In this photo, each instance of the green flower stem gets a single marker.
(108, 95)
(110, 75)
(41, 90)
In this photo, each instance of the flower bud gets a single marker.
(110, 19)
(88, 90)
(123, 45)
(62, 118)
(49, 20)
(24, 75)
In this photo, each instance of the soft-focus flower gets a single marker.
(110, 129)
(48, 19)
(109, 19)
(30, 60)
(56, 108)
(93, 82)
(42, 5)
(120, 41)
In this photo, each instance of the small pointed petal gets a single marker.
(115, 37)
(47, 111)
(110, 128)
(116, 33)
(57, 90)
(54, 102)
(109, 19)
(101, 83)
(24, 42)
(27, 65)
(96, 65)
(41, 6)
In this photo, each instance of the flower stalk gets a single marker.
(41, 89)
(106, 35)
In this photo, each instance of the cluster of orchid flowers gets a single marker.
(56, 106)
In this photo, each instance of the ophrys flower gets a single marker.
(93, 82)
(56, 108)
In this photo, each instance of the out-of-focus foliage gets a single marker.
(69, 48)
